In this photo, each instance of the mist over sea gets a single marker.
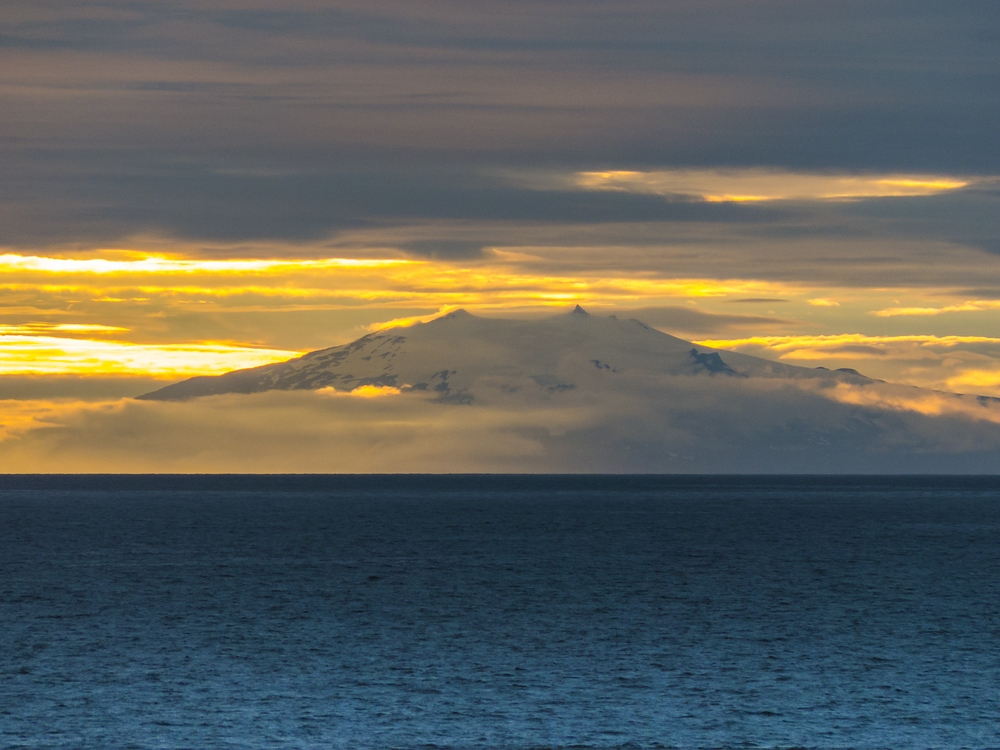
(499, 612)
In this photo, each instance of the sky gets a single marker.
(193, 186)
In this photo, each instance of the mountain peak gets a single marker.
(459, 313)
(454, 359)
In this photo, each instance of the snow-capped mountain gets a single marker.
(570, 393)
(451, 355)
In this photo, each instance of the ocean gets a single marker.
(475, 612)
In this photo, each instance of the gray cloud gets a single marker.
(969, 217)
(146, 115)
(686, 424)
(858, 349)
(50, 206)
(21, 387)
(684, 321)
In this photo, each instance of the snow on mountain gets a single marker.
(571, 393)
(455, 355)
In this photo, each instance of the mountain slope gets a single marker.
(571, 393)
(451, 354)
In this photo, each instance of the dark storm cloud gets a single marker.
(252, 118)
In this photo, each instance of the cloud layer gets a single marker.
(653, 424)
(231, 119)
(194, 185)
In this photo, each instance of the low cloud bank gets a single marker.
(648, 424)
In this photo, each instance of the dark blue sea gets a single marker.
(499, 612)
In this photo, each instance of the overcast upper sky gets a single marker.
(243, 119)
(804, 180)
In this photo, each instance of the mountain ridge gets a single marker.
(450, 354)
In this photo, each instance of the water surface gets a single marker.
(499, 612)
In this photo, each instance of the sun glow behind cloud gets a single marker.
(970, 306)
(962, 363)
(163, 315)
(113, 310)
(756, 185)
(327, 431)
(51, 355)
(362, 391)
(812, 347)
(871, 206)
(928, 403)
(411, 320)
(977, 379)
(350, 279)
(153, 264)
(31, 329)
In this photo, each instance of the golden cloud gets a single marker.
(432, 283)
(277, 431)
(648, 426)
(164, 265)
(113, 309)
(970, 306)
(30, 329)
(816, 347)
(362, 391)
(753, 185)
(169, 316)
(974, 378)
(50, 355)
(905, 398)
(936, 362)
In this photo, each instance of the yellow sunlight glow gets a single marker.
(374, 391)
(158, 264)
(18, 415)
(735, 198)
(381, 280)
(901, 398)
(818, 347)
(362, 391)
(931, 184)
(753, 185)
(971, 306)
(50, 355)
(147, 296)
(975, 379)
(36, 328)
(411, 320)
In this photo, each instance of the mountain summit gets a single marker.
(450, 354)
